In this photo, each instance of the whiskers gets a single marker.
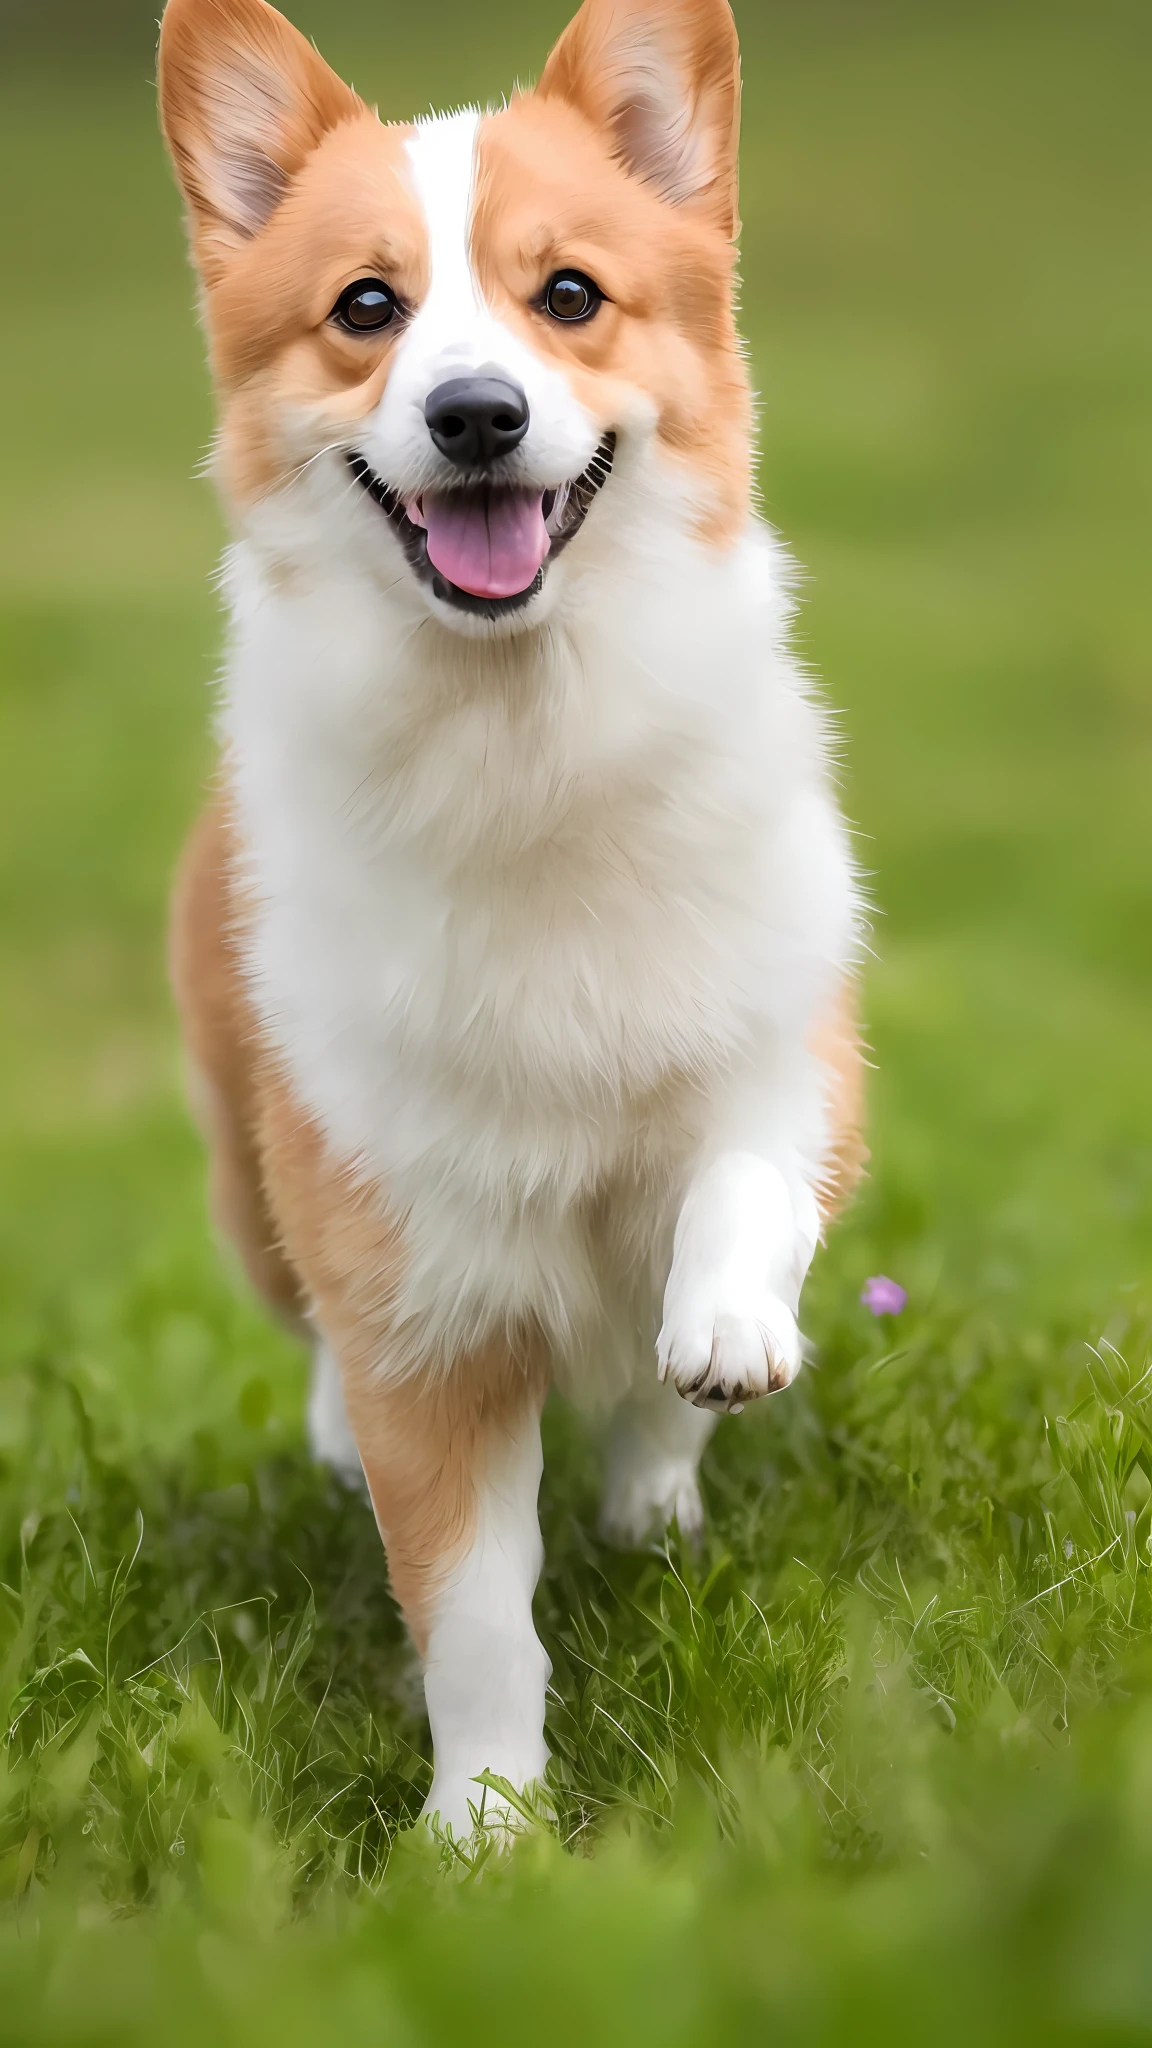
(207, 467)
(296, 475)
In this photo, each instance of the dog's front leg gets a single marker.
(453, 1462)
(744, 1242)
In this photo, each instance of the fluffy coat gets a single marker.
(515, 954)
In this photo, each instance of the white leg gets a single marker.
(650, 1479)
(743, 1246)
(329, 1430)
(485, 1670)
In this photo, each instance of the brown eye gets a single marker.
(365, 307)
(572, 296)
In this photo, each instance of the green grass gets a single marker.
(879, 1762)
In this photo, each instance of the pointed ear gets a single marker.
(661, 79)
(244, 100)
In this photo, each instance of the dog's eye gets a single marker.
(572, 296)
(365, 307)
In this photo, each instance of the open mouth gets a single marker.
(485, 548)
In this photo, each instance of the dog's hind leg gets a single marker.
(651, 1472)
(221, 1044)
(329, 1430)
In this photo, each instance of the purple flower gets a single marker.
(883, 1296)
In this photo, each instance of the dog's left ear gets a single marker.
(661, 79)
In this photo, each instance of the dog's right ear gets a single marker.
(244, 100)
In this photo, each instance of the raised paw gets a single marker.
(721, 1361)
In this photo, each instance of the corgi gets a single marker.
(516, 951)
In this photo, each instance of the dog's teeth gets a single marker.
(555, 517)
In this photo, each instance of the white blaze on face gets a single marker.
(442, 154)
(496, 549)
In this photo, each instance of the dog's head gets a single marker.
(453, 351)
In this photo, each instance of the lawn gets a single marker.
(878, 1762)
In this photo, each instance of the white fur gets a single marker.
(329, 1430)
(455, 333)
(546, 914)
(485, 1672)
(743, 1248)
(650, 1477)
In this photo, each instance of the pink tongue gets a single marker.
(491, 546)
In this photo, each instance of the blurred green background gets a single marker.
(949, 303)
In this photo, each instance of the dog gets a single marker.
(517, 948)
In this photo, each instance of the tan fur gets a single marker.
(302, 1221)
(425, 1446)
(424, 1441)
(838, 1045)
(549, 193)
(594, 67)
(315, 1237)
(282, 366)
(279, 230)
(344, 209)
(244, 100)
(313, 1234)
(226, 1057)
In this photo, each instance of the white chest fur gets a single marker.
(523, 903)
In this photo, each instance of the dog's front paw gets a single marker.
(470, 1811)
(719, 1360)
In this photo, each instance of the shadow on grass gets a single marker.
(948, 1535)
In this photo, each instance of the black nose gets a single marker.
(474, 419)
